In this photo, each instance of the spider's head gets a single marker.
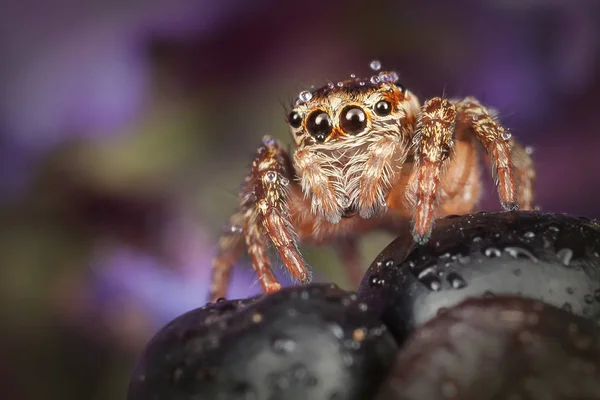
(351, 110)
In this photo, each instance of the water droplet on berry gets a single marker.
(456, 280)
(375, 65)
(492, 252)
(431, 281)
(305, 96)
(565, 255)
(283, 345)
(570, 290)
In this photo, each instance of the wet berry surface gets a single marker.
(494, 306)
(499, 348)
(549, 257)
(316, 342)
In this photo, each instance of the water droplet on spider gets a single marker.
(517, 272)
(374, 79)
(385, 77)
(442, 310)
(432, 282)
(463, 259)
(283, 345)
(456, 281)
(305, 96)
(236, 229)
(567, 307)
(477, 239)
(565, 255)
(340, 84)
(362, 83)
(529, 235)
(492, 252)
(588, 299)
(330, 85)
(553, 228)
(390, 263)
(488, 295)
(529, 150)
(352, 76)
(597, 295)
(506, 135)
(375, 65)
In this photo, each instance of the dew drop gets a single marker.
(305, 96)
(389, 263)
(567, 307)
(517, 272)
(376, 281)
(374, 79)
(283, 345)
(463, 259)
(529, 150)
(565, 255)
(432, 282)
(570, 290)
(442, 310)
(529, 235)
(340, 84)
(375, 65)
(588, 298)
(456, 280)
(553, 228)
(518, 252)
(352, 76)
(236, 229)
(488, 295)
(362, 83)
(477, 239)
(492, 252)
(330, 85)
(506, 135)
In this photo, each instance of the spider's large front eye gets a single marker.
(353, 120)
(294, 119)
(319, 125)
(383, 108)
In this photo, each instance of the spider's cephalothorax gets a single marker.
(368, 156)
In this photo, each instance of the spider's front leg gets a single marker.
(512, 167)
(263, 217)
(433, 143)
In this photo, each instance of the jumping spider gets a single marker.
(368, 156)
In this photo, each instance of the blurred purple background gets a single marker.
(126, 128)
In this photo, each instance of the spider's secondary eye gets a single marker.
(353, 120)
(383, 108)
(294, 119)
(319, 125)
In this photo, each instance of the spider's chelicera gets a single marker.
(368, 156)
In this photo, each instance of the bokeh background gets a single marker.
(126, 128)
